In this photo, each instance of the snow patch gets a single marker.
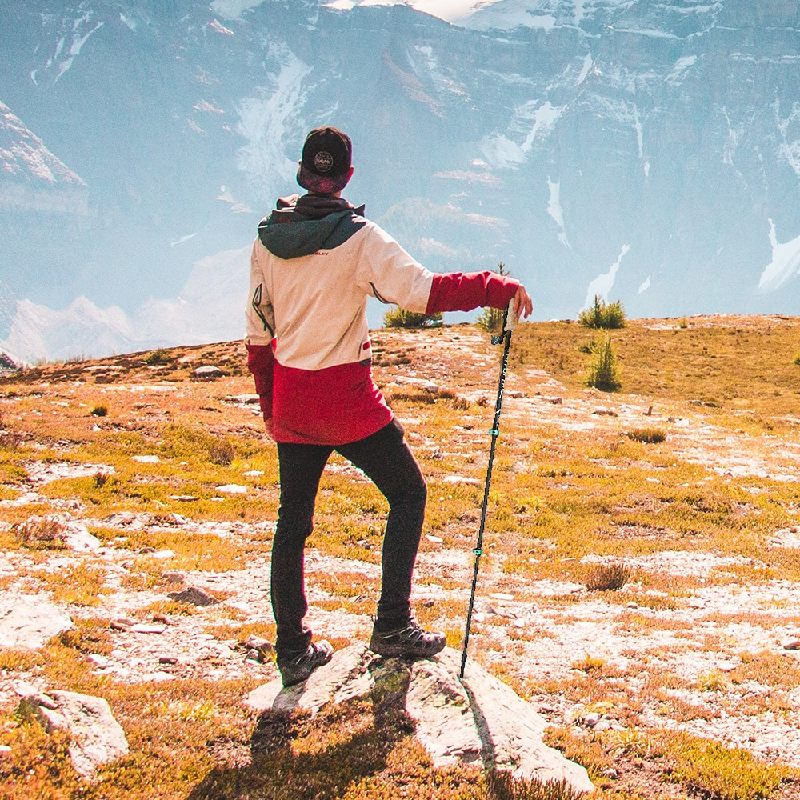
(555, 211)
(208, 108)
(75, 48)
(789, 149)
(467, 176)
(588, 61)
(679, 69)
(269, 122)
(508, 15)
(501, 152)
(604, 282)
(232, 9)
(785, 263)
(637, 124)
(544, 119)
(217, 26)
(237, 206)
(182, 239)
(652, 33)
(537, 121)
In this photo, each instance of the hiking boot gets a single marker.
(298, 668)
(410, 640)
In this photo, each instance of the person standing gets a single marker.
(313, 265)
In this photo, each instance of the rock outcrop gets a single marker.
(475, 720)
(28, 621)
(96, 738)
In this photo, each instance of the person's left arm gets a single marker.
(260, 320)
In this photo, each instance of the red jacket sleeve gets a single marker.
(463, 291)
(260, 362)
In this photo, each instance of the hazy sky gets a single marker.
(446, 9)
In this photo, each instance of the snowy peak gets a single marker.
(24, 157)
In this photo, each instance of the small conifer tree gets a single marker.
(603, 315)
(603, 374)
(491, 319)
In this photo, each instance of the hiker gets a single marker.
(314, 263)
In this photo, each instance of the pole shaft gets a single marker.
(495, 433)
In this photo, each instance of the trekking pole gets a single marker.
(509, 323)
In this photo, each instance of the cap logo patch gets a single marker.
(323, 161)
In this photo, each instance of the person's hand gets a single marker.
(523, 305)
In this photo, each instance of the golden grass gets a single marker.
(557, 496)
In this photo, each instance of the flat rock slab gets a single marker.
(28, 621)
(96, 738)
(479, 720)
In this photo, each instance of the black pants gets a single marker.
(384, 458)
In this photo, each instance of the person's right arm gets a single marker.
(389, 273)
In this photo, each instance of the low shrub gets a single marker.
(157, 358)
(647, 435)
(221, 452)
(41, 533)
(99, 411)
(607, 577)
(400, 318)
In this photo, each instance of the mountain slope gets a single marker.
(648, 149)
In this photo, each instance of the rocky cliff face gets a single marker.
(645, 150)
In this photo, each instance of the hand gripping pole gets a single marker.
(504, 338)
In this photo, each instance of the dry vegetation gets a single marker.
(640, 583)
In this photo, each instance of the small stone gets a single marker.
(121, 624)
(254, 473)
(184, 498)
(232, 488)
(259, 644)
(167, 660)
(194, 596)
(99, 660)
(461, 479)
(590, 720)
(146, 628)
(435, 539)
(147, 459)
(207, 373)
(794, 644)
(173, 577)
(603, 725)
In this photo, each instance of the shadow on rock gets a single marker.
(298, 756)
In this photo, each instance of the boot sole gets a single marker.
(403, 651)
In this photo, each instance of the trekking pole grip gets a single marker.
(511, 318)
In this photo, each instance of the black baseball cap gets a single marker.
(325, 163)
